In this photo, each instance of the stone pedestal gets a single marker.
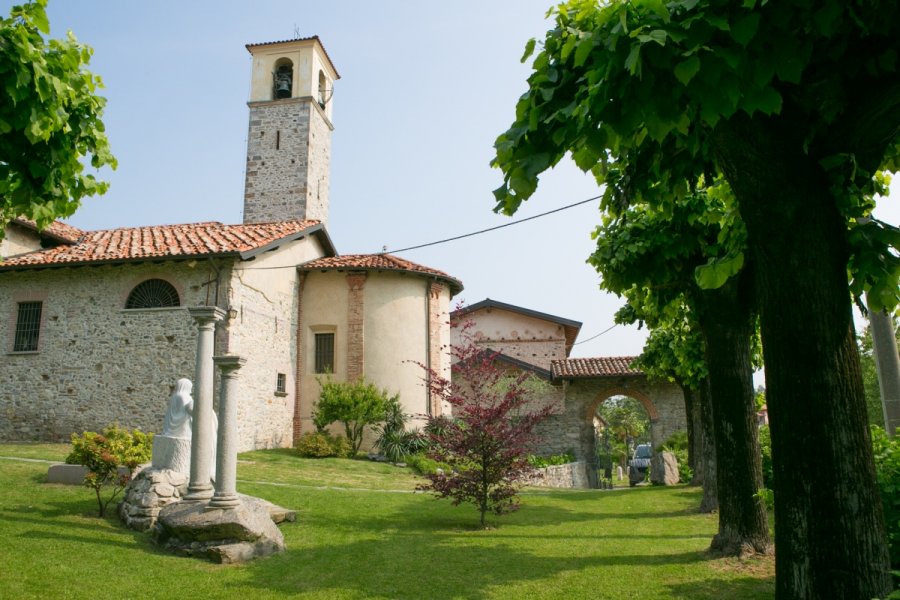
(200, 486)
(147, 493)
(172, 453)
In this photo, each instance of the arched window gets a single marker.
(283, 79)
(323, 91)
(153, 293)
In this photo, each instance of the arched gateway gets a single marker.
(585, 383)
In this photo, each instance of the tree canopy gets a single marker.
(796, 105)
(50, 120)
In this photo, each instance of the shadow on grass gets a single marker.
(712, 589)
(402, 565)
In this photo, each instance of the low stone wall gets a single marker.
(571, 475)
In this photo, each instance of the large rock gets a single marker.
(223, 535)
(664, 469)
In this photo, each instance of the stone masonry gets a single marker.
(435, 322)
(288, 155)
(355, 319)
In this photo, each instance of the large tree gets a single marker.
(797, 105)
(49, 120)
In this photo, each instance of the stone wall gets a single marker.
(571, 475)
(18, 240)
(263, 295)
(288, 154)
(97, 363)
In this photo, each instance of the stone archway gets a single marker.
(572, 429)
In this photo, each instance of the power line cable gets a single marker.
(594, 337)
(458, 237)
(465, 235)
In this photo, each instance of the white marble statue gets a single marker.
(177, 423)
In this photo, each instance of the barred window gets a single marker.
(28, 327)
(153, 293)
(324, 353)
(281, 383)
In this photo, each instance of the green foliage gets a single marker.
(316, 444)
(765, 448)
(887, 469)
(393, 440)
(104, 453)
(49, 120)
(767, 497)
(539, 462)
(625, 417)
(423, 465)
(677, 444)
(355, 404)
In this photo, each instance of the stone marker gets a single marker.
(664, 469)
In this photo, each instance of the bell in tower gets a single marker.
(283, 81)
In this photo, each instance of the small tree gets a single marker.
(355, 404)
(486, 445)
(104, 453)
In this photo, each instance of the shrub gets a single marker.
(887, 470)
(393, 441)
(355, 404)
(316, 444)
(423, 465)
(103, 454)
(765, 448)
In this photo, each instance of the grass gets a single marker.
(361, 533)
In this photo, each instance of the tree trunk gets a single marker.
(727, 325)
(887, 364)
(829, 533)
(690, 417)
(707, 445)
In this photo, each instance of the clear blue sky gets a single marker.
(425, 89)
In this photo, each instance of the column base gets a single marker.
(223, 501)
(197, 493)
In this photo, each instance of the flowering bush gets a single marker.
(103, 454)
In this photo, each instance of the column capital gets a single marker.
(206, 314)
(229, 363)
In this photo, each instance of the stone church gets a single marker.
(96, 325)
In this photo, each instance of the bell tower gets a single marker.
(289, 140)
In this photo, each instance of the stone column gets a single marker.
(200, 487)
(226, 451)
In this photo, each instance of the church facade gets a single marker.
(96, 325)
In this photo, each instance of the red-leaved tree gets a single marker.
(486, 442)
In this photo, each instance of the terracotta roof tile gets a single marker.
(57, 229)
(603, 366)
(379, 262)
(299, 39)
(162, 241)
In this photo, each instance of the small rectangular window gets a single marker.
(281, 383)
(324, 353)
(28, 327)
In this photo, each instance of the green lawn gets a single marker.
(361, 533)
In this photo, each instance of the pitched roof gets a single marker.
(170, 241)
(57, 229)
(602, 366)
(570, 327)
(312, 38)
(379, 262)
